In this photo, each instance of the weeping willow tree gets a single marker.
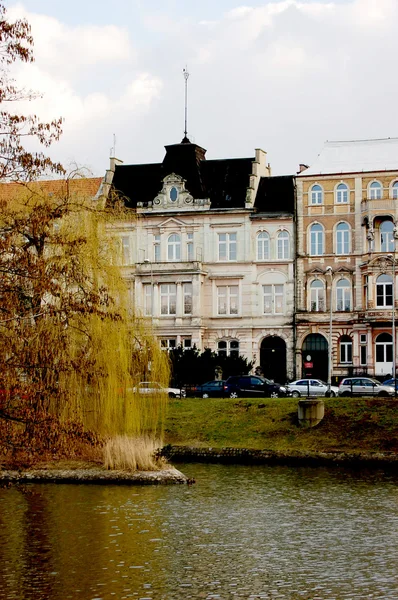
(71, 348)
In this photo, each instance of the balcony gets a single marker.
(377, 205)
(169, 268)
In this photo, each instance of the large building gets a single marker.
(208, 249)
(347, 211)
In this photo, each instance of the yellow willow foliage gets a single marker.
(70, 343)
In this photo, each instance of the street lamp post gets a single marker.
(329, 270)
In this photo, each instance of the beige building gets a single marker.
(347, 211)
(209, 253)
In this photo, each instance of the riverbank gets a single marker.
(352, 428)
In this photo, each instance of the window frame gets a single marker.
(345, 350)
(228, 247)
(316, 239)
(381, 286)
(345, 293)
(342, 192)
(170, 297)
(315, 298)
(174, 247)
(372, 193)
(231, 296)
(187, 298)
(343, 238)
(275, 293)
(263, 242)
(316, 194)
(283, 245)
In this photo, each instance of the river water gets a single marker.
(238, 532)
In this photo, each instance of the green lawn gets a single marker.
(352, 425)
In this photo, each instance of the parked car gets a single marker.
(364, 386)
(311, 387)
(251, 386)
(153, 387)
(391, 382)
(210, 389)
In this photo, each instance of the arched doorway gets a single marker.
(273, 358)
(315, 356)
(383, 364)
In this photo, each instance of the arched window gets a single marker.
(174, 247)
(343, 238)
(317, 296)
(384, 291)
(375, 190)
(384, 360)
(345, 349)
(387, 236)
(316, 194)
(283, 243)
(342, 193)
(394, 189)
(228, 348)
(263, 246)
(316, 239)
(343, 295)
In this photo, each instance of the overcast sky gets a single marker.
(280, 75)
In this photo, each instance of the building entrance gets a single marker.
(273, 358)
(315, 356)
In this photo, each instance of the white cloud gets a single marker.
(283, 75)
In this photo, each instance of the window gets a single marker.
(343, 295)
(384, 291)
(283, 245)
(375, 190)
(168, 298)
(227, 246)
(125, 250)
(384, 348)
(316, 239)
(174, 247)
(343, 238)
(394, 189)
(156, 248)
(173, 194)
(387, 236)
(342, 193)
(189, 246)
(317, 296)
(187, 343)
(362, 349)
(263, 246)
(187, 293)
(147, 299)
(168, 344)
(228, 348)
(227, 299)
(345, 349)
(273, 299)
(316, 194)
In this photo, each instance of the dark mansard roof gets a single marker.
(224, 181)
(276, 194)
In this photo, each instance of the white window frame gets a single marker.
(174, 247)
(187, 298)
(382, 286)
(343, 295)
(263, 245)
(317, 240)
(317, 296)
(227, 246)
(316, 194)
(228, 348)
(228, 297)
(168, 299)
(283, 245)
(375, 190)
(168, 343)
(345, 349)
(387, 245)
(273, 298)
(343, 238)
(148, 292)
(190, 252)
(342, 193)
(156, 248)
(126, 256)
(394, 190)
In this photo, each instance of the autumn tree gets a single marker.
(71, 349)
(17, 162)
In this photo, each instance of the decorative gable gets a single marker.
(174, 196)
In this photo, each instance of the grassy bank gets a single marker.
(349, 425)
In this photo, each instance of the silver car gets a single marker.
(364, 386)
(311, 387)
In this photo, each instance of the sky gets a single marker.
(281, 75)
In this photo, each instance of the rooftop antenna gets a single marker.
(186, 75)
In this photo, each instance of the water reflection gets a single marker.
(240, 532)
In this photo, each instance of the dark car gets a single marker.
(210, 389)
(252, 386)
